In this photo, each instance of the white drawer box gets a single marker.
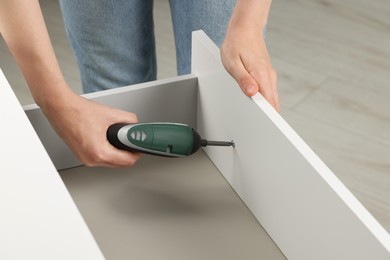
(183, 208)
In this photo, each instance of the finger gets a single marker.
(114, 157)
(107, 155)
(276, 95)
(266, 86)
(125, 117)
(246, 82)
(125, 159)
(275, 90)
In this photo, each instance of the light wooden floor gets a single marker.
(333, 64)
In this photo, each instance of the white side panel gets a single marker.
(171, 100)
(38, 217)
(308, 212)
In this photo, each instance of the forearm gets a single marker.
(250, 14)
(23, 29)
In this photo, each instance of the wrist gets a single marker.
(53, 97)
(250, 15)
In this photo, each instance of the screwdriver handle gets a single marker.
(163, 139)
(112, 137)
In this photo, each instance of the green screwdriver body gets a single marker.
(163, 139)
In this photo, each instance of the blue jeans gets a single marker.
(113, 40)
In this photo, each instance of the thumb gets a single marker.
(246, 82)
(122, 116)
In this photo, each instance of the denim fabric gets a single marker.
(211, 16)
(113, 40)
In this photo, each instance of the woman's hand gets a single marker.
(82, 124)
(246, 58)
(244, 53)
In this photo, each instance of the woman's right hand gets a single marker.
(83, 124)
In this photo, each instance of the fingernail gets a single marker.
(250, 89)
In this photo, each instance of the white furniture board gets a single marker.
(38, 218)
(191, 212)
(308, 212)
(167, 208)
(170, 100)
